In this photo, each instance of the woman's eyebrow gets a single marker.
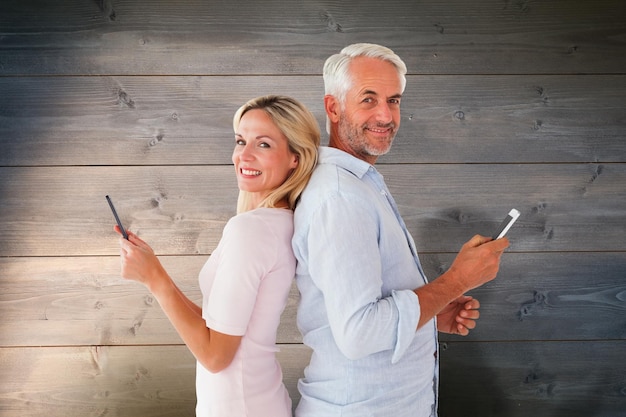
(259, 137)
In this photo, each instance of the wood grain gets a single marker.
(61, 211)
(188, 120)
(272, 37)
(133, 381)
(512, 379)
(82, 301)
(508, 104)
(523, 379)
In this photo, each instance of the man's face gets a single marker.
(370, 118)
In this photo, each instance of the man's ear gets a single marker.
(331, 105)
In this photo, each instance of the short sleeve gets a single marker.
(247, 252)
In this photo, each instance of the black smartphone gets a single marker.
(506, 224)
(117, 219)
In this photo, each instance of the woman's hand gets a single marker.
(139, 263)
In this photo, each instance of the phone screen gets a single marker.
(506, 224)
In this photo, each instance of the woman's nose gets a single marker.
(246, 153)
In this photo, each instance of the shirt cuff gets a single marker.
(408, 317)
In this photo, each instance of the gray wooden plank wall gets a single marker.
(508, 104)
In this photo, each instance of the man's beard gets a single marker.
(356, 138)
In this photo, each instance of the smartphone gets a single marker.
(506, 224)
(117, 219)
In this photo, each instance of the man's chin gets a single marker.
(381, 148)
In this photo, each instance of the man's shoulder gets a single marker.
(335, 167)
(343, 161)
(330, 179)
(337, 179)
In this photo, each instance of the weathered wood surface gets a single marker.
(276, 37)
(61, 211)
(188, 120)
(128, 381)
(82, 300)
(136, 381)
(508, 104)
(543, 379)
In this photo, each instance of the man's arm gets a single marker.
(477, 263)
(345, 264)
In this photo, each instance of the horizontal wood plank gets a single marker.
(562, 206)
(68, 301)
(61, 211)
(188, 120)
(56, 203)
(574, 379)
(83, 301)
(495, 379)
(549, 297)
(132, 381)
(273, 37)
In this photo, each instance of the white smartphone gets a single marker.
(506, 224)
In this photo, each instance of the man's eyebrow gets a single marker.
(374, 93)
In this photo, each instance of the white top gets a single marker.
(245, 285)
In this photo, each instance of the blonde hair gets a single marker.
(337, 77)
(300, 127)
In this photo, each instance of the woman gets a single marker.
(246, 280)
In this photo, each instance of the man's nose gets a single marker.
(384, 113)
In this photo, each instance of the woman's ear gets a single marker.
(295, 161)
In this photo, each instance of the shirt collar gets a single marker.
(344, 160)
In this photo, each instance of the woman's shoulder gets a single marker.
(264, 233)
(263, 220)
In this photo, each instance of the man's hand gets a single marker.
(459, 317)
(478, 261)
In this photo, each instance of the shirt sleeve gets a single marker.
(346, 267)
(248, 250)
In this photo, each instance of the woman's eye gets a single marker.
(264, 145)
(240, 142)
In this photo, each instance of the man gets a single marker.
(367, 310)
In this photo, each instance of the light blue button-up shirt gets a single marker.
(357, 269)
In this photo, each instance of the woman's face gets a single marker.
(261, 156)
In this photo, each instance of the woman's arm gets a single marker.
(214, 350)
